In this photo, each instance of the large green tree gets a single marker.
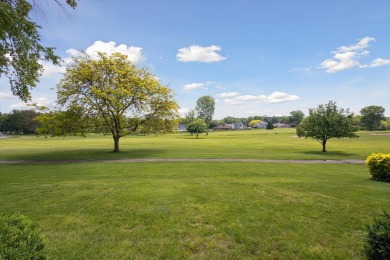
(117, 97)
(326, 122)
(20, 46)
(372, 116)
(205, 107)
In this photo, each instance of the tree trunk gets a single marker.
(197, 135)
(323, 145)
(116, 143)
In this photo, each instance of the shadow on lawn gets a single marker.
(329, 154)
(88, 154)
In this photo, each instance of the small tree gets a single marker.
(254, 121)
(189, 117)
(196, 127)
(270, 125)
(326, 122)
(372, 117)
(205, 107)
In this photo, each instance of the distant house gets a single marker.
(239, 126)
(261, 124)
(182, 128)
(282, 125)
(223, 127)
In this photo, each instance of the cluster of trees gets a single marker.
(19, 122)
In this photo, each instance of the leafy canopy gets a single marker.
(205, 107)
(326, 122)
(112, 95)
(197, 127)
(372, 116)
(20, 47)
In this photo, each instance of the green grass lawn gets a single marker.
(196, 210)
(259, 144)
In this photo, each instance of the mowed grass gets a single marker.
(196, 210)
(259, 144)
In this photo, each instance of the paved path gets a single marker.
(184, 160)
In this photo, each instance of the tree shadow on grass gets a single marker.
(330, 154)
(87, 154)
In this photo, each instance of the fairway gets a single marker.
(254, 144)
(196, 210)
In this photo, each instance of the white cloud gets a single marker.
(258, 112)
(230, 101)
(279, 97)
(307, 71)
(346, 57)
(197, 53)
(228, 94)
(275, 97)
(193, 86)
(41, 101)
(134, 53)
(377, 63)
(50, 68)
(362, 44)
(5, 95)
(183, 111)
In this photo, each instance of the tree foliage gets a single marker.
(372, 116)
(20, 47)
(377, 246)
(114, 96)
(18, 122)
(197, 127)
(189, 117)
(253, 122)
(296, 117)
(326, 122)
(205, 107)
(270, 126)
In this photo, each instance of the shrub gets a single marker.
(379, 166)
(378, 238)
(20, 238)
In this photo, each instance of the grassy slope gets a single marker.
(196, 210)
(264, 144)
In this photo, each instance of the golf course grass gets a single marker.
(214, 210)
(256, 144)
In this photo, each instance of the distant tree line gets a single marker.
(294, 119)
(19, 122)
(24, 121)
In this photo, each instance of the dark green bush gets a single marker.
(378, 238)
(379, 166)
(20, 238)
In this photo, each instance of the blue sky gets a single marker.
(253, 57)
